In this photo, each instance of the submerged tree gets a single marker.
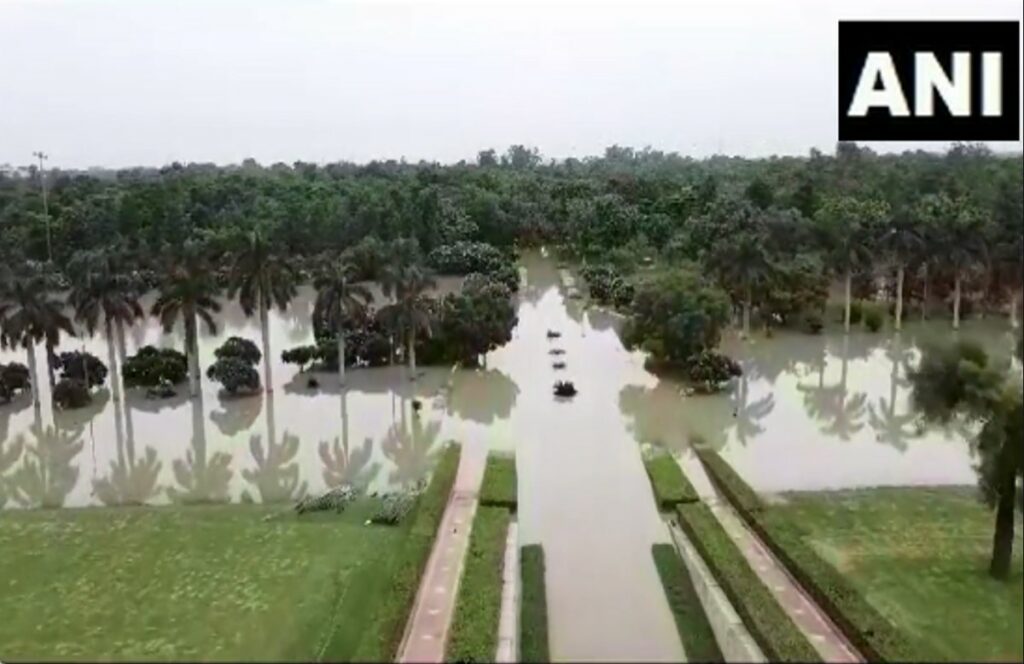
(407, 281)
(338, 299)
(260, 279)
(187, 293)
(961, 381)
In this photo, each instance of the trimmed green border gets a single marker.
(533, 608)
(695, 631)
(668, 482)
(500, 483)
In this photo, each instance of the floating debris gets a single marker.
(554, 334)
(312, 383)
(558, 365)
(565, 388)
(556, 351)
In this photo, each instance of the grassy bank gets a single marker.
(920, 556)
(878, 637)
(500, 484)
(533, 609)
(774, 632)
(694, 629)
(381, 640)
(189, 583)
(669, 484)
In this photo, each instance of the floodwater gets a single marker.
(810, 412)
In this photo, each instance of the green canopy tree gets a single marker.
(848, 228)
(407, 281)
(957, 227)
(961, 381)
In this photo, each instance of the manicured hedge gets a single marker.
(499, 488)
(474, 629)
(670, 485)
(382, 642)
(867, 629)
(729, 482)
(778, 637)
(692, 623)
(533, 607)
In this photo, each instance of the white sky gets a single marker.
(146, 82)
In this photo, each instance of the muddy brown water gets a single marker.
(810, 412)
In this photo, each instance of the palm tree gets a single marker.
(29, 313)
(100, 286)
(261, 278)
(338, 299)
(411, 310)
(187, 293)
(958, 228)
(902, 244)
(848, 227)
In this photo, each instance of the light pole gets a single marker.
(46, 210)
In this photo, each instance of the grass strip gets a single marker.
(500, 485)
(867, 629)
(670, 485)
(768, 623)
(381, 643)
(726, 480)
(474, 629)
(692, 623)
(533, 609)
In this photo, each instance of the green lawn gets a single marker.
(186, 583)
(920, 556)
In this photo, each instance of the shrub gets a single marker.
(691, 622)
(474, 628)
(393, 508)
(465, 257)
(729, 482)
(71, 393)
(709, 370)
(78, 366)
(235, 374)
(500, 485)
(382, 641)
(778, 637)
(670, 485)
(856, 312)
(237, 347)
(15, 376)
(813, 323)
(152, 366)
(565, 388)
(533, 606)
(300, 355)
(873, 318)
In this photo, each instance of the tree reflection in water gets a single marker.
(129, 482)
(891, 427)
(236, 414)
(47, 474)
(746, 413)
(276, 476)
(8, 457)
(343, 466)
(664, 416)
(200, 480)
(410, 448)
(481, 395)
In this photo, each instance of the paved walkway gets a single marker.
(822, 633)
(427, 631)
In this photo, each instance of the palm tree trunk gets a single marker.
(746, 314)
(846, 312)
(924, 295)
(1002, 541)
(956, 301)
(49, 366)
(341, 355)
(268, 377)
(899, 298)
(122, 351)
(33, 371)
(412, 352)
(1014, 304)
(115, 374)
(192, 350)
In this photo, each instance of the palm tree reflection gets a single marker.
(129, 482)
(746, 413)
(276, 476)
(200, 480)
(411, 448)
(841, 411)
(8, 458)
(47, 475)
(890, 427)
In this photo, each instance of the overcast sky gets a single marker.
(146, 82)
